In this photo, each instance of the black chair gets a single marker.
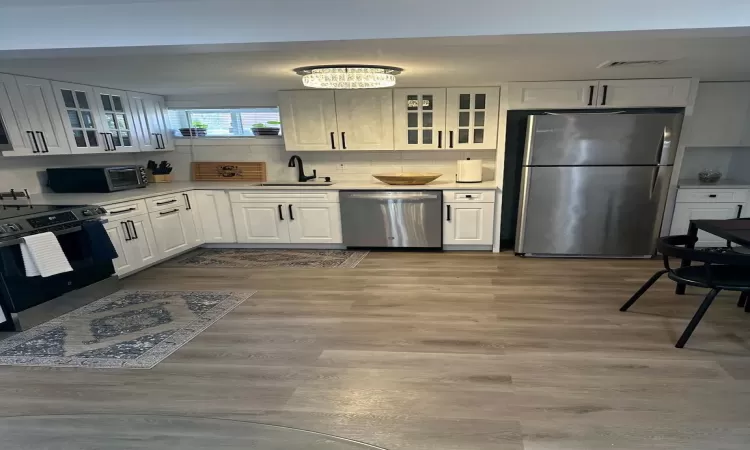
(720, 271)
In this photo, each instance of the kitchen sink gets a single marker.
(296, 184)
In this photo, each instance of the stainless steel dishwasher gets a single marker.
(392, 218)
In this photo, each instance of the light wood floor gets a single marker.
(439, 351)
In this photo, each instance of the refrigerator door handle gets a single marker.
(654, 179)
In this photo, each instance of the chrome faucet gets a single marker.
(301, 177)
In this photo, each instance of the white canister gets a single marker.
(469, 171)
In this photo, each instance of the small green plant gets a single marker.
(199, 124)
(266, 124)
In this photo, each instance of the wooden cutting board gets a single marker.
(229, 171)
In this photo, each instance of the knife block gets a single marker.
(167, 178)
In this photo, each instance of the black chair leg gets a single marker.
(697, 317)
(642, 290)
(747, 301)
(743, 300)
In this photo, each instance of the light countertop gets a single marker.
(155, 189)
(721, 184)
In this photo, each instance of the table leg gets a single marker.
(692, 232)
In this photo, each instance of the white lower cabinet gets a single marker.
(169, 230)
(314, 223)
(467, 223)
(261, 223)
(685, 212)
(134, 242)
(191, 220)
(215, 213)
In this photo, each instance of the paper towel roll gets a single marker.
(469, 171)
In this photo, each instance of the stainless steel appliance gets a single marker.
(26, 302)
(595, 184)
(392, 218)
(96, 178)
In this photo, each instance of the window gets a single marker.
(229, 122)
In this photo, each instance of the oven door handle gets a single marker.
(56, 233)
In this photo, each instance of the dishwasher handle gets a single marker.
(393, 195)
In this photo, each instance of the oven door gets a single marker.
(121, 178)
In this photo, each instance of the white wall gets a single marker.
(340, 166)
(45, 24)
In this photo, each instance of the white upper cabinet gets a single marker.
(166, 135)
(78, 105)
(365, 119)
(471, 118)
(47, 135)
(643, 93)
(308, 120)
(117, 119)
(145, 121)
(554, 94)
(599, 94)
(15, 130)
(419, 119)
(721, 117)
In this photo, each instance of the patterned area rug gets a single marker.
(240, 257)
(128, 329)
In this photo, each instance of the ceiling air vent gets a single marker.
(645, 62)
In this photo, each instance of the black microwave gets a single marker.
(96, 178)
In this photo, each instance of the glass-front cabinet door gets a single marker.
(419, 119)
(471, 118)
(79, 109)
(117, 119)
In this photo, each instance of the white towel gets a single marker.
(42, 255)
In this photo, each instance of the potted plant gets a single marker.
(265, 128)
(198, 128)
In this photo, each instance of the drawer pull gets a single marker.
(712, 195)
(122, 211)
(167, 202)
(168, 212)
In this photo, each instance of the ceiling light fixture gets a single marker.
(339, 76)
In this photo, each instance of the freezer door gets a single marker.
(602, 139)
(604, 211)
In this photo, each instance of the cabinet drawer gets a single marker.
(469, 196)
(163, 202)
(283, 196)
(126, 209)
(711, 196)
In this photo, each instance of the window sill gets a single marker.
(212, 141)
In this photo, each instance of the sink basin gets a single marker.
(296, 184)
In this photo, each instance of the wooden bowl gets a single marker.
(407, 178)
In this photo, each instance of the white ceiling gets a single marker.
(470, 61)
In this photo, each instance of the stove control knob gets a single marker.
(12, 227)
(88, 212)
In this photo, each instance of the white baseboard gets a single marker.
(482, 248)
(280, 246)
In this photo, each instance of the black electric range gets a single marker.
(28, 301)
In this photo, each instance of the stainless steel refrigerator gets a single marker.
(595, 184)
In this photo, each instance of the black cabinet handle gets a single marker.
(44, 141)
(106, 142)
(114, 147)
(449, 212)
(739, 211)
(591, 95)
(333, 142)
(158, 144)
(440, 139)
(162, 141)
(167, 202)
(135, 233)
(604, 95)
(36, 145)
(291, 214)
(187, 202)
(450, 140)
(711, 195)
(469, 196)
(281, 214)
(122, 211)
(127, 231)
(168, 212)
(343, 140)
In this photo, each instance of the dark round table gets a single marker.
(154, 432)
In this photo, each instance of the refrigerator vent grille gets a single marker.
(645, 62)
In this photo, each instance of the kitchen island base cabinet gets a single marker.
(261, 223)
(215, 216)
(315, 223)
(169, 230)
(468, 223)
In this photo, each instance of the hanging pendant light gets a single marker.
(341, 76)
